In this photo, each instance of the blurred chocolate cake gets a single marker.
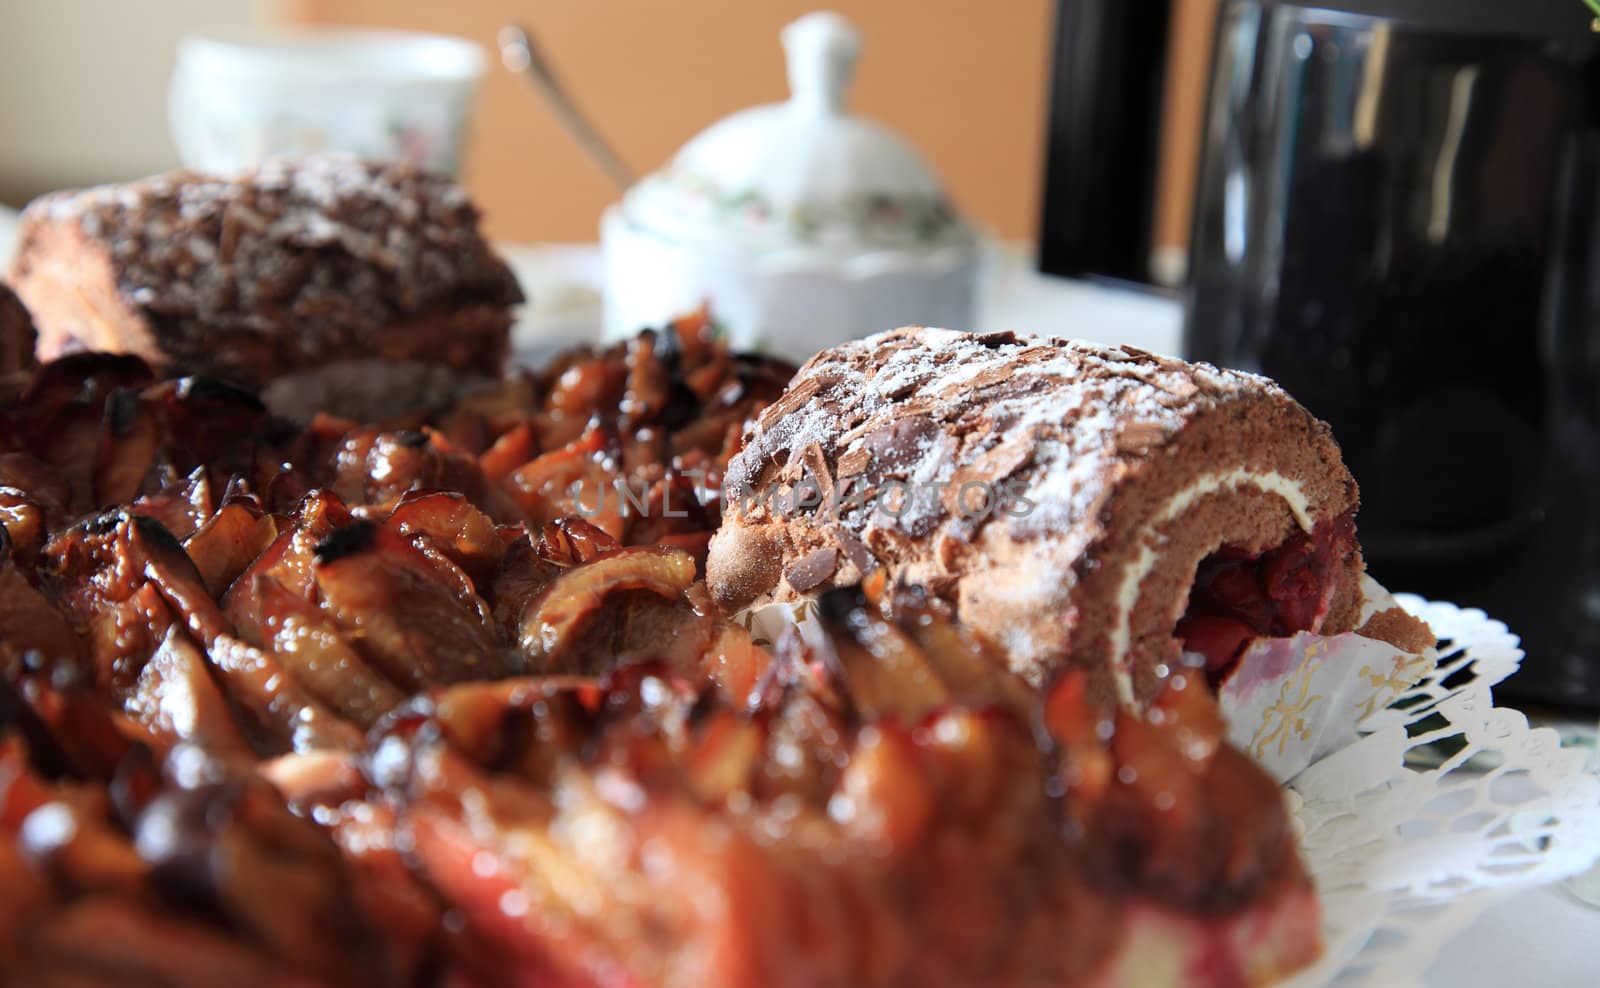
(331, 282)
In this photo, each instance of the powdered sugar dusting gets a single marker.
(1078, 408)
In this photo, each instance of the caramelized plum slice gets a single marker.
(508, 452)
(886, 674)
(406, 461)
(59, 417)
(330, 788)
(585, 384)
(24, 523)
(124, 578)
(195, 876)
(735, 664)
(170, 570)
(29, 623)
(82, 378)
(650, 383)
(207, 422)
(283, 716)
(553, 622)
(175, 700)
(574, 479)
(884, 798)
(527, 726)
(393, 605)
(467, 536)
(1191, 716)
(289, 559)
(1078, 729)
(179, 426)
(33, 498)
(569, 540)
(678, 633)
(99, 940)
(971, 668)
(181, 508)
(228, 542)
(523, 573)
(211, 836)
(309, 645)
(729, 750)
(808, 744)
(1179, 815)
(127, 450)
(672, 508)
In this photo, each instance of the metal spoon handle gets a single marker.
(519, 54)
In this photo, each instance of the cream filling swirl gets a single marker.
(1134, 573)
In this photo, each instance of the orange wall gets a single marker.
(1188, 73)
(965, 80)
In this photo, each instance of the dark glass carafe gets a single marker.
(1398, 218)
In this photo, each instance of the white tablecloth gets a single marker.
(562, 282)
(1542, 937)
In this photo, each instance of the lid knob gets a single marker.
(821, 49)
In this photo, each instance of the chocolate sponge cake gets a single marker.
(1098, 506)
(336, 271)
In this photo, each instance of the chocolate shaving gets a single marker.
(816, 466)
(854, 463)
(995, 341)
(812, 570)
(793, 399)
(897, 445)
(1138, 437)
(994, 466)
(855, 550)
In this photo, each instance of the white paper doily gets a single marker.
(1449, 803)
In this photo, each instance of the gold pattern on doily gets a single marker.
(759, 621)
(1388, 684)
(1287, 717)
(747, 620)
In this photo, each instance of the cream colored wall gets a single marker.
(83, 86)
(965, 80)
(83, 91)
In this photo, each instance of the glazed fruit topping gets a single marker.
(400, 704)
(1238, 598)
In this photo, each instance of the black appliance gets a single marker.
(1398, 217)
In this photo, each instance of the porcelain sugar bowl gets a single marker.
(800, 224)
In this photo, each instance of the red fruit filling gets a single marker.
(1239, 596)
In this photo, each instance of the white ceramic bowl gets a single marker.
(236, 99)
(801, 224)
(789, 303)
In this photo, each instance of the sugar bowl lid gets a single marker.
(805, 174)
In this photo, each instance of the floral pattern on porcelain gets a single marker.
(228, 140)
(869, 218)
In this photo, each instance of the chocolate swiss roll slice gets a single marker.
(1095, 506)
(332, 284)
